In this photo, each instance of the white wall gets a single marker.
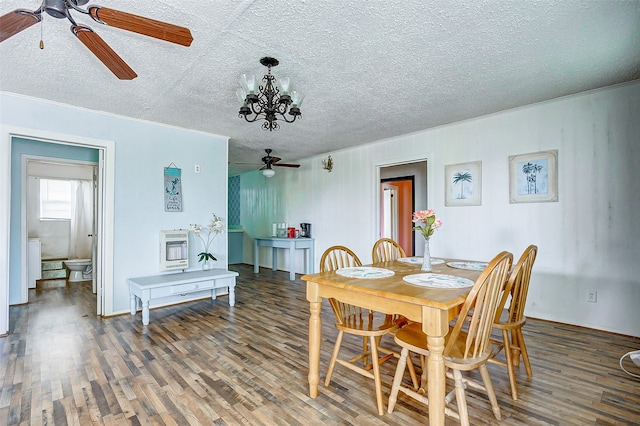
(142, 150)
(588, 240)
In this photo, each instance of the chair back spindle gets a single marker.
(385, 250)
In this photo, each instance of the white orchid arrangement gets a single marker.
(215, 227)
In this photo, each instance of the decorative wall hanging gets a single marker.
(463, 184)
(328, 164)
(172, 189)
(533, 178)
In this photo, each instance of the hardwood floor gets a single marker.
(204, 363)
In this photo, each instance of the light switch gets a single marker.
(197, 168)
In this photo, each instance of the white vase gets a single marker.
(206, 265)
(426, 259)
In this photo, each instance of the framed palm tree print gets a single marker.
(463, 184)
(533, 178)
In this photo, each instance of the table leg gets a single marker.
(232, 292)
(274, 259)
(145, 311)
(311, 259)
(315, 334)
(133, 303)
(256, 265)
(435, 325)
(292, 261)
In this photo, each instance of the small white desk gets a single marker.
(292, 244)
(144, 289)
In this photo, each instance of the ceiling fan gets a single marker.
(14, 22)
(270, 161)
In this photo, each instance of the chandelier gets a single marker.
(272, 101)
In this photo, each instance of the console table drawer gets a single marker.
(191, 287)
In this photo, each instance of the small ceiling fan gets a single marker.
(270, 161)
(14, 22)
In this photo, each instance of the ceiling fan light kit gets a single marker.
(20, 19)
(269, 172)
(274, 101)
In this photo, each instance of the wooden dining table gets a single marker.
(433, 307)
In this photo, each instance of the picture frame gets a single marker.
(463, 184)
(533, 177)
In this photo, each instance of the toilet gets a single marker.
(79, 269)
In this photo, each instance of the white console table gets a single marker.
(144, 289)
(292, 244)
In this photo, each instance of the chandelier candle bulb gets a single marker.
(285, 85)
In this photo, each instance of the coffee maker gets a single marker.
(305, 230)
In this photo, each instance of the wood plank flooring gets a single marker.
(205, 363)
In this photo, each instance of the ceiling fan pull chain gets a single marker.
(41, 30)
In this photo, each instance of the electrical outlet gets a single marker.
(197, 168)
(592, 296)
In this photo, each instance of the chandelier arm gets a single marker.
(255, 118)
(284, 117)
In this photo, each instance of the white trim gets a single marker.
(108, 147)
(5, 214)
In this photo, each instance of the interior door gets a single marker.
(389, 211)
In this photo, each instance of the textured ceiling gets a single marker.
(368, 69)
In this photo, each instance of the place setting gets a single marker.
(470, 266)
(438, 280)
(417, 260)
(369, 272)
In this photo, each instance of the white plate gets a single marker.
(471, 266)
(438, 281)
(417, 260)
(364, 272)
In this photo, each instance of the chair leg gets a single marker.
(334, 356)
(523, 351)
(365, 350)
(461, 399)
(397, 379)
(412, 373)
(486, 379)
(376, 375)
(515, 348)
(508, 354)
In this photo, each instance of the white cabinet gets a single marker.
(34, 262)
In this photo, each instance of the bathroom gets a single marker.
(60, 221)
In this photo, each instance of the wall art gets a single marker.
(463, 184)
(533, 178)
(172, 189)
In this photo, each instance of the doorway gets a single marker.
(61, 219)
(13, 249)
(402, 190)
(397, 203)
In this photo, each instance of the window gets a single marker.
(55, 199)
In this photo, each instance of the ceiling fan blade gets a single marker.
(286, 165)
(14, 22)
(141, 25)
(106, 54)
